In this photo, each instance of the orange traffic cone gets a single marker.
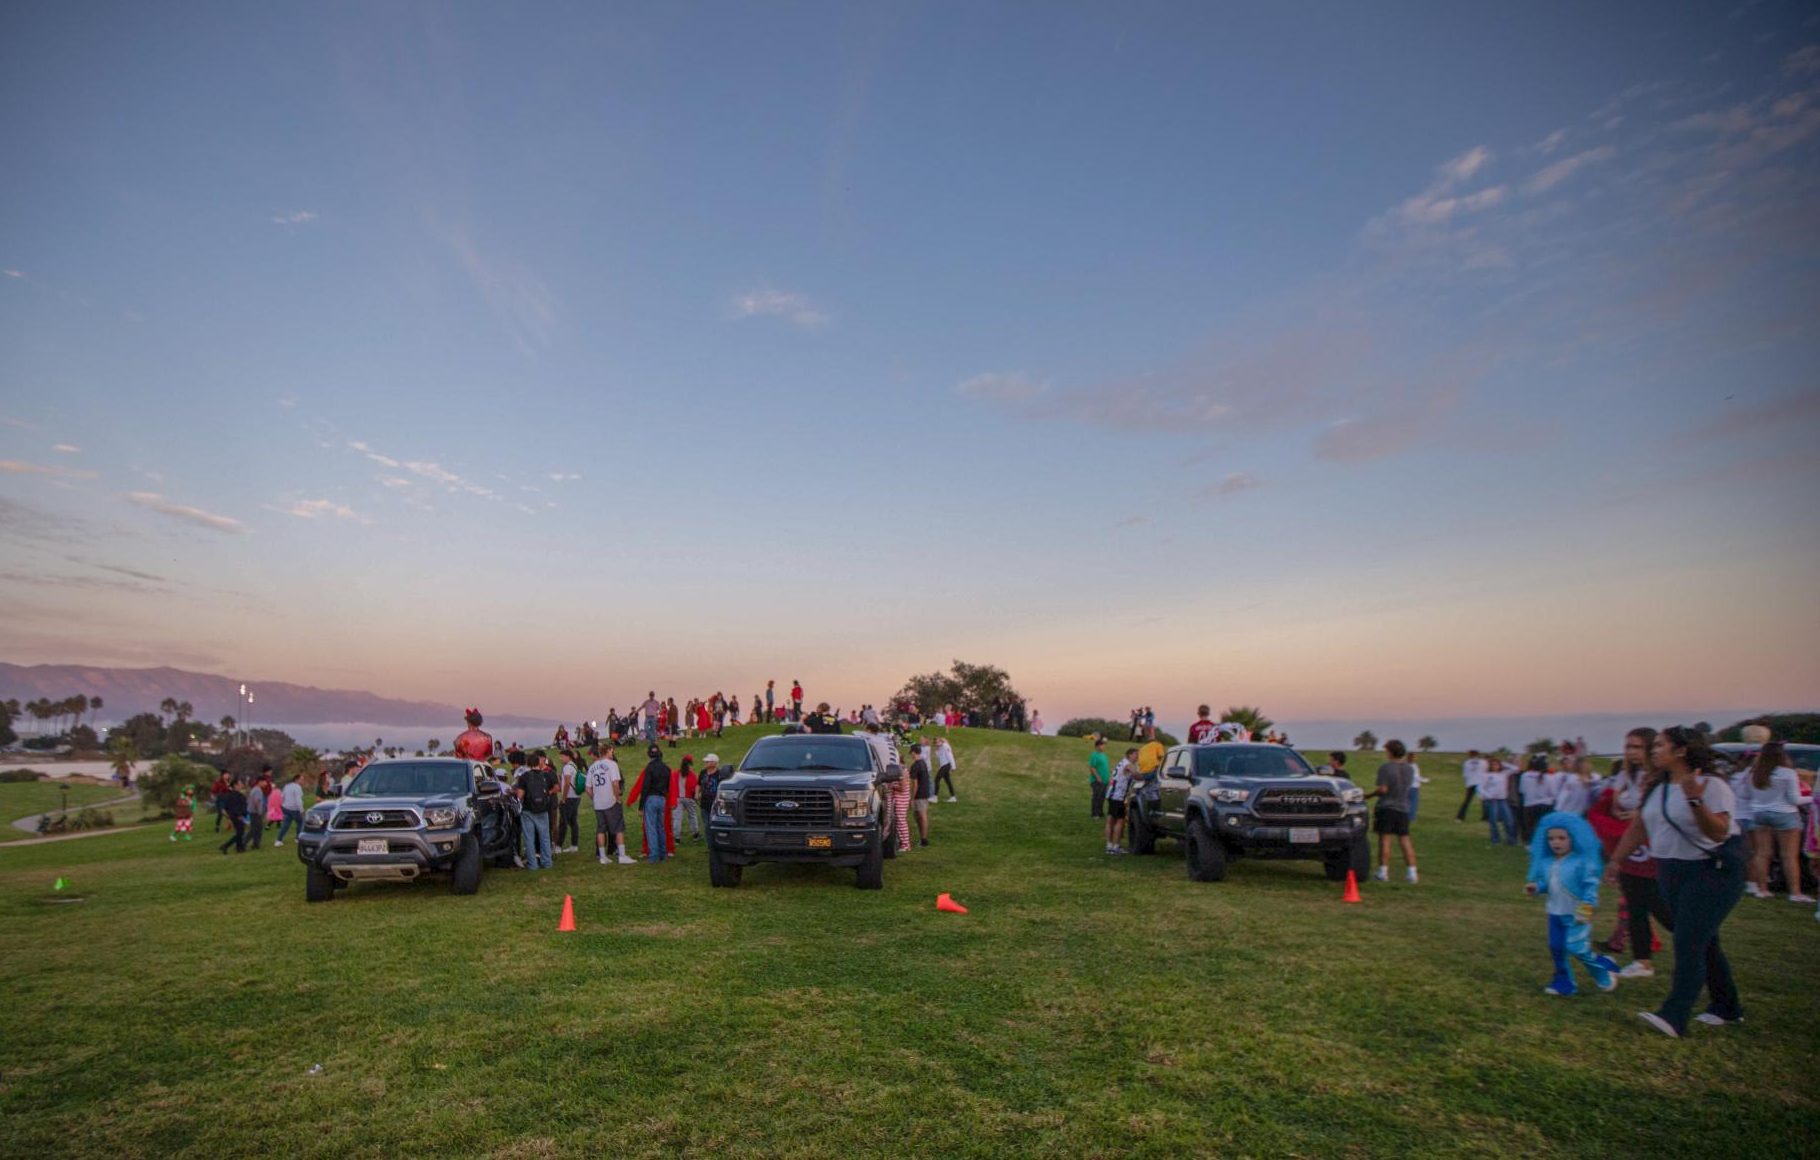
(946, 902)
(568, 913)
(1352, 888)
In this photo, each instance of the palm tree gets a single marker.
(1250, 716)
(227, 724)
(94, 707)
(435, 744)
(168, 706)
(1366, 740)
(122, 753)
(1427, 744)
(185, 711)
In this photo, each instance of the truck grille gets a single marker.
(377, 820)
(812, 808)
(1299, 805)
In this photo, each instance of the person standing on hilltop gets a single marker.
(474, 744)
(1392, 814)
(796, 700)
(1099, 773)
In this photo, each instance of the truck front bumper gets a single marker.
(743, 845)
(407, 854)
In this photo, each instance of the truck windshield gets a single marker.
(810, 754)
(410, 779)
(1249, 761)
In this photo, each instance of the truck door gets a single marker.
(1174, 782)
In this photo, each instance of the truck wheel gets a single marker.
(871, 873)
(1143, 834)
(1336, 865)
(1206, 857)
(464, 876)
(1360, 858)
(318, 885)
(887, 834)
(721, 872)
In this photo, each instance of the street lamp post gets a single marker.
(240, 707)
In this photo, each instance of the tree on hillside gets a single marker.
(1800, 728)
(185, 710)
(969, 688)
(1365, 741)
(227, 726)
(1540, 745)
(1250, 716)
(121, 755)
(94, 708)
(9, 712)
(145, 731)
(435, 744)
(1427, 744)
(1105, 727)
(168, 707)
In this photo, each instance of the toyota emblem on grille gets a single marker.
(1302, 799)
(786, 805)
(373, 819)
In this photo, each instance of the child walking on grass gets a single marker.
(185, 812)
(1565, 864)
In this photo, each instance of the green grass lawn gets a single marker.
(22, 799)
(1087, 1006)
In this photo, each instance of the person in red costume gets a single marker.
(475, 744)
(638, 788)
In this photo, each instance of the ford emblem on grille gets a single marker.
(786, 805)
(374, 819)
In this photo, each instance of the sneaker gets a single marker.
(926, 842)
(1557, 992)
(1641, 969)
(601, 857)
(278, 843)
(1799, 898)
(1659, 1023)
(625, 861)
(173, 837)
(1411, 874)
(952, 798)
(1382, 874)
(1608, 983)
(1711, 1020)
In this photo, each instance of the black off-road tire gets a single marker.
(318, 885)
(870, 874)
(722, 873)
(1359, 858)
(1143, 834)
(1206, 857)
(1336, 865)
(887, 832)
(464, 875)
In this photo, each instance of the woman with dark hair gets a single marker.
(1775, 799)
(1686, 818)
(1611, 815)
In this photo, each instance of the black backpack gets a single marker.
(537, 790)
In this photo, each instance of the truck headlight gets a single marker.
(1231, 796)
(441, 817)
(317, 819)
(1352, 796)
(724, 801)
(855, 803)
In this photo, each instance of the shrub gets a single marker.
(12, 776)
(1106, 727)
(1800, 728)
(86, 818)
(169, 777)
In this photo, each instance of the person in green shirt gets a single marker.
(1099, 773)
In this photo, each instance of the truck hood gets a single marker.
(395, 802)
(795, 779)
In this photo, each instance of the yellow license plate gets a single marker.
(820, 842)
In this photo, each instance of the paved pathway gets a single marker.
(68, 837)
(30, 825)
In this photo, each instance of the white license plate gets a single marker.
(372, 846)
(1304, 836)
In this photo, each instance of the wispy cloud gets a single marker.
(19, 467)
(1441, 201)
(1001, 387)
(12, 273)
(9, 421)
(1233, 484)
(766, 302)
(67, 448)
(153, 501)
(1552, 142)
(1553, 175)
(517, 296)
(1133, 522)
(296, 217)
(394, 481)
(560, 477)
(376, 457)
(1804, 61)
(310, 509)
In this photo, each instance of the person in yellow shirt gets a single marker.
(1150, 755)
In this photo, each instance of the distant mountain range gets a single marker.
(125, 692)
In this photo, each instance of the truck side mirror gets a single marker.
(487, 789)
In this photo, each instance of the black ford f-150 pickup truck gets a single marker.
(803, 797)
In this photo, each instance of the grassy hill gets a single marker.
(1087, 1006)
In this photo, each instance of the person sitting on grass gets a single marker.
(1565, 865)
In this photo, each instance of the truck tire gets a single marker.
(1206, 857)
(464, 876)
(1360, 858)
(318, 885)
(1143, 834)
(870, 874)
(721, 872)
(887, 833)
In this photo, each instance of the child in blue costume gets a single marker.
(1565, 864)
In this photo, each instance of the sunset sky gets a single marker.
(1451, 359)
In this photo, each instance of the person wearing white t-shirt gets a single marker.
(1536, 794)
(1472, 771)
(1494, 792)
(944, 767)
(604, 790)
(1772, 796)
(1687, 819)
